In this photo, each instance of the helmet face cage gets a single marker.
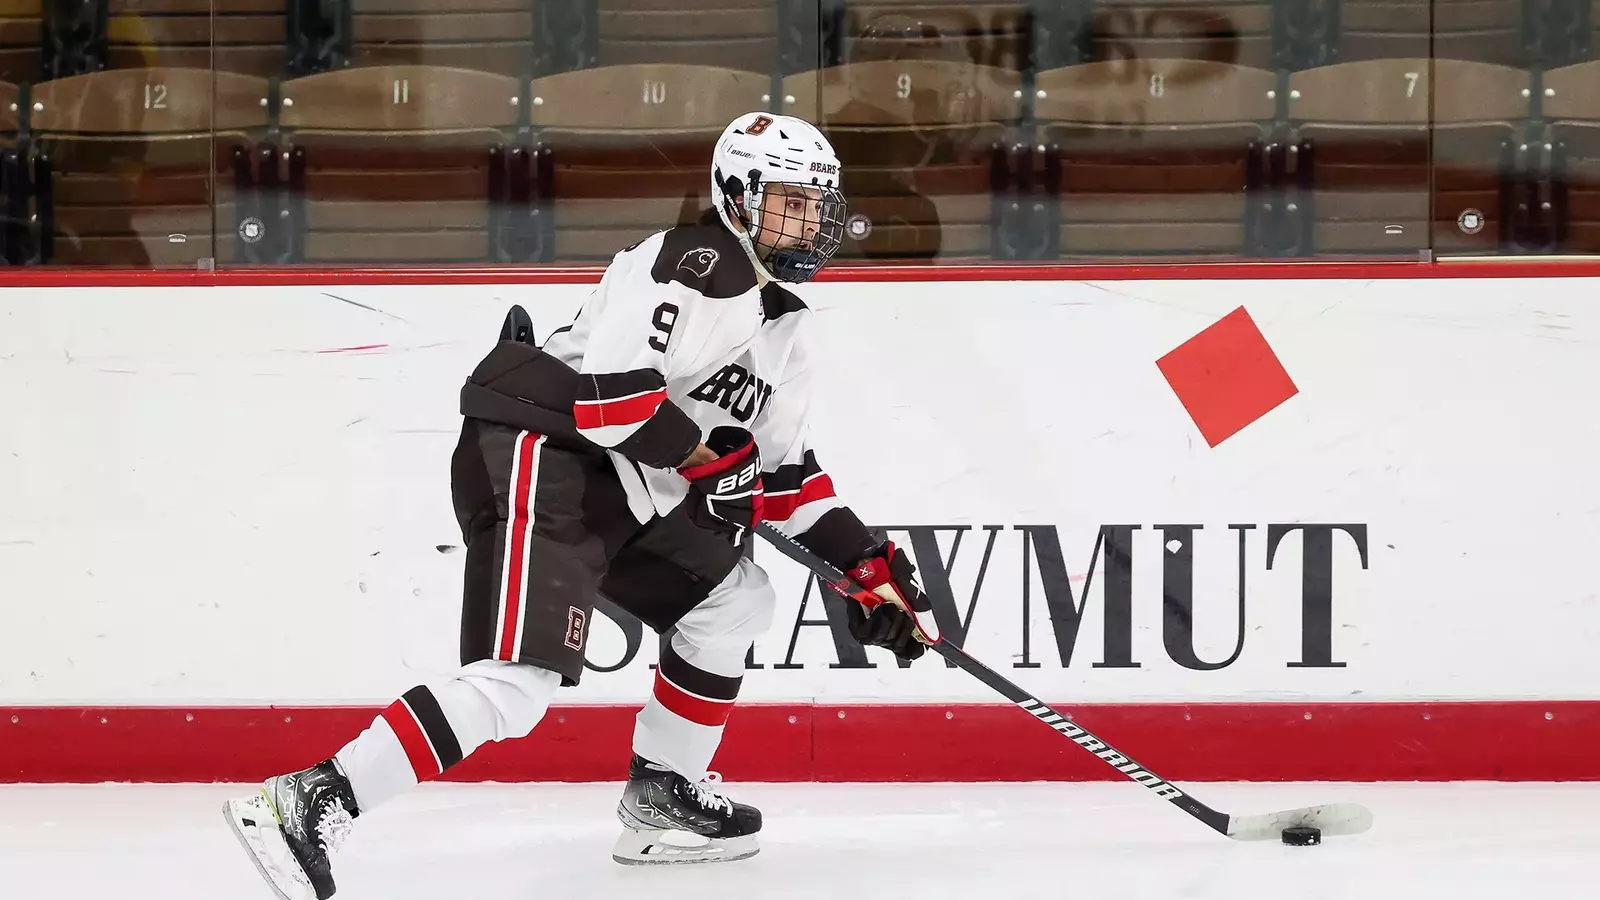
(819, 228)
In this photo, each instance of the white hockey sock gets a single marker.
(430, 729)
(702, 666)
(681, 724)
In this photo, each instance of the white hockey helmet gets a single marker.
(759, 149)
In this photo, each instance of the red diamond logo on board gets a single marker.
(1227, 377)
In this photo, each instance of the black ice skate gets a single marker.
(669, 819)
(292, 824)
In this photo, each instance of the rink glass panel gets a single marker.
(189, 133)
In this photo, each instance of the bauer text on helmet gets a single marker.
(776, 183)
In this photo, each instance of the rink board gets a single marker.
(1473, 741)
(224, 500)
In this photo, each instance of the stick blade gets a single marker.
(1334, 819)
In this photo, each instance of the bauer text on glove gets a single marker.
(726, 494)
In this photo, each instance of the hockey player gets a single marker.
(631, 455)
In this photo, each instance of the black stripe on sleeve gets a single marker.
(838, 537)
(434, 725)
(790, 477)
(611, 386)
(695, 680)
(776, 302)
(664, 441)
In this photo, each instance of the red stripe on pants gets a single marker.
(412, 739)
(519, 531)
(698, 710)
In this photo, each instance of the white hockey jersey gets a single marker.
(678, 339)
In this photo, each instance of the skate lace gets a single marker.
(707, 796)
(334, 825)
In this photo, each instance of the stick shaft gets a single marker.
(1006, 688)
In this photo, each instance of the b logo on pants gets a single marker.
(575, 620)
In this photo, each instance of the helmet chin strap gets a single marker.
(745, 221)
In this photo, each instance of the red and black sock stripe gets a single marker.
(424, 732)
(692, 692)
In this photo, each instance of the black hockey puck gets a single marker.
(1302, 836)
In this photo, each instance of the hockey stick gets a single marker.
(1333, 819)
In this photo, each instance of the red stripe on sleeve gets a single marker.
(779, 507)
(698, 710)
(627, 411)
(412, 739)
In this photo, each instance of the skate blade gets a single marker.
(256, 826)
(668, 847)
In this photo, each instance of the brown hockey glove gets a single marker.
(893, 611)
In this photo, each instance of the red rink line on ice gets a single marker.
(1568, 267)
(1509, 741)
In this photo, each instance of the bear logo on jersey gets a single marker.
(699, 262)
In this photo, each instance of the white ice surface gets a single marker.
(1074, 841)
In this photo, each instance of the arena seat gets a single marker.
(397, 163)
(626, 150)
(21, 36)
(1571, 106)
(1388, 154)
(1219, 31)
(1156, 156)
(1485, 31)
(984, 33)
(132, 164)
(921, 140)
(484, 35)
(244, 36)
(730, 34)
